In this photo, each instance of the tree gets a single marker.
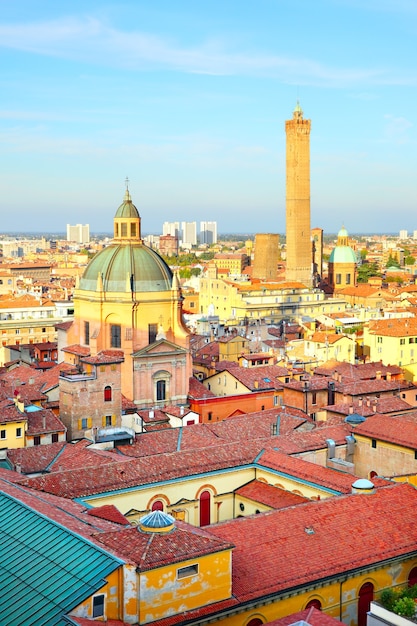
(366, 270)
(392, 262)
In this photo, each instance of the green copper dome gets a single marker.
(127, 267)
(342, 254)
(127, 209)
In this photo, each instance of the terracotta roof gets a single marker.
(42, 422)
(357, 371)
(295, 540)
(394, 327)
(35, 458)
(384, 404)
(269, 495)
(109, 512)
(197, 390)
(399, 429)
(105, 356)
(152, 550)
(77, 349)
(258, 378)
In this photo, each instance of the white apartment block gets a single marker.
(188, 234)
(208, 232)
(403, 234)
(171, 228)
(80, 233)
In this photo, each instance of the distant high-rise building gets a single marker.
(298, 232)
(208, 232)
(403, 234)
(80, 233)
(189, 233)
(171, 228)
(265, 258)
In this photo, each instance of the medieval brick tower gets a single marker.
(298, 235)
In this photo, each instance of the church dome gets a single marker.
(127, 267)
(127, 209)
(342, 254)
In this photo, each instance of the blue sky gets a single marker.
(189, 100)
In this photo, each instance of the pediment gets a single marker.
(163, 347)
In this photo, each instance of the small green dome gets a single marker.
(127, 209)
(127, 267)
(342, 232)
(342, 254)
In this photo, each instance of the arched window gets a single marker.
(315, 603)
(256, 621)
(158, 505)
(205, 500)
(366, 595)
(107, 394)
(161, 390)
(412, 577)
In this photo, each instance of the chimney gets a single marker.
(256, 384)
(378, 375)
(351, 409)
(181, 410)
(18, 468)
(388, 375)
(151, 413)
(360, 401)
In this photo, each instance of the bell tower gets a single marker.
(298, 230)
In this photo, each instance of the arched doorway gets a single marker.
(205, 505)
(365, 597)
(158, 505)
(314, 603)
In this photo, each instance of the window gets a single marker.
(185, 572)
(115, 336)
(123, 229)
(107, 394)
(108, 420)
(314, 397)
(2, 434)
(152, 332)
(55, 438)
(161, 390)
(158, 505)
(338, 279)
(37, 440)
(44, 330)
(210, 416)
(18, 432)
(348, 279)
(87, 333)
(17, 331)
(374, 443)
(98, 605)
(84, 423)
(133, 229)
(402, 342)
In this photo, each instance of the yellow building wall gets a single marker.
(162, 593)
(386, 459)
(181, 498)
(338, 599)
(11, 440)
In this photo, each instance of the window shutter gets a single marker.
(103, 420)
(113, 420)
(89, 422)
(80, 424)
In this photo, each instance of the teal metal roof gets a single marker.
(127, 209)
(45, 569)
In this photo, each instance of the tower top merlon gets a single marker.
(298, 112)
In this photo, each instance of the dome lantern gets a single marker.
(127, 220)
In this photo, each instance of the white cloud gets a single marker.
(90, 40)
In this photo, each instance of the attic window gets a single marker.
(267, 380)
(189, 570)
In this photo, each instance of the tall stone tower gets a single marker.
(298, 235)
(265, 260)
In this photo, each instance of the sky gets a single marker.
(188, 100)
